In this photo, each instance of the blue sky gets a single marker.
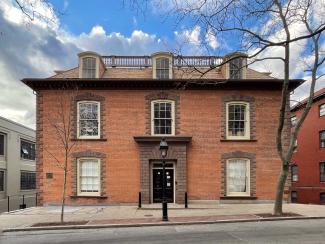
(114, 16)
(37, 48)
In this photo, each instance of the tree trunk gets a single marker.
(280, 188)
(63, 194)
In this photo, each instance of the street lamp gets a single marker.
(163, 147)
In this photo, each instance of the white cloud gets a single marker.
(211, 39)
(35, 49)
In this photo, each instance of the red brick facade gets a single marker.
(127, 149)
(309, 155)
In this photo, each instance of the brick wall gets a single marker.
(126, 115)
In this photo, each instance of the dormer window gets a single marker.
(162, 65)
(88, 67)
(236, 68)
(162, 68)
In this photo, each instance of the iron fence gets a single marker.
(15, 202)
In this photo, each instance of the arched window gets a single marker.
(162, 68)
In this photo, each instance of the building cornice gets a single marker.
(140, 84)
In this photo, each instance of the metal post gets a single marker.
(186, 206)
(8, 204)
(139, 204)
(36, 199)
(164, 200)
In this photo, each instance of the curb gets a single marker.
(102, 226)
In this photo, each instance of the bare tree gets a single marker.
(39, 9)
(61, 123)
(260, 28)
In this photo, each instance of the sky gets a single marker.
(36, 48)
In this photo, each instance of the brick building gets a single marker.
(220, 127)
(308, 162)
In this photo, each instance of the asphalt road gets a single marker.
(297, 231)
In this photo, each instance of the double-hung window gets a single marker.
(162, 68)
(235, 68)
(322, 171)
(2, 180)
(293, 120)
(89, 67)
(322, 139)
(27, 150)
(88, 177)
(162, 114)
(238, 120)
(322, 110)
(88, 120)
(27, 180)
(294, 173)
(238, 177)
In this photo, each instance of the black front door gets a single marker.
(158, 183)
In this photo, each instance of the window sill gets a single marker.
(238, 140)
(100, 197)
(238, 198)
(88, 139)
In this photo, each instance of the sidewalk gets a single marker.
(150, 214)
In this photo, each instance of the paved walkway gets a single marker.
(149, 214)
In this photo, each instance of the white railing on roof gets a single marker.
(146, 61)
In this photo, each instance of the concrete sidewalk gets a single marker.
(105, 215)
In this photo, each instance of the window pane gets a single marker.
(236, 119)
(162, 118)
(162, 68)
(89, 175)
(27, 150)
(88, 119)
(27, 180)
(89, 67)
(2, 180)
(294, 172)
(2, 145)
(322, 172)
(237, 178)
(322, 139)
(322, 110)
(235, 69)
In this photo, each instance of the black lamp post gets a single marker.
(163, 147)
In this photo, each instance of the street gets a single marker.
(295, 231)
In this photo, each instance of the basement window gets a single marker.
(294, 197)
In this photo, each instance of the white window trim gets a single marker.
(248, 188)
(154, 65)
(79, 193)
(320, 110)
(152, 117)
(97, 61)
(78, 121)
(247, 121)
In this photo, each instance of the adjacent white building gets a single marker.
(17, 165)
